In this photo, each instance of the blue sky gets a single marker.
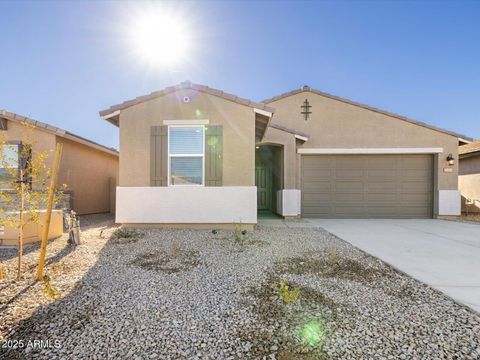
(62, 62)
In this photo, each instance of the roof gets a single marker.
(289, 130)
(111, 114)
(469, 148)
(306, 88)
(57, 131)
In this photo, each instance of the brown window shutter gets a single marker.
(213, 155)
(159, 156)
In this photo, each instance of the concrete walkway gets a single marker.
(442, 254)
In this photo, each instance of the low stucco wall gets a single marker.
(469, 182)
(32, 232)
(186, 205)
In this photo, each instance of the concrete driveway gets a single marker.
(442, 254)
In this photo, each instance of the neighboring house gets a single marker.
(469, 176)
(89, 169)
(191, 155)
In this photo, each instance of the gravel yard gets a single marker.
(172, 294)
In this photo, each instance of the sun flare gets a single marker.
(159, 38)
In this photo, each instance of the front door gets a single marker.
(263, 181)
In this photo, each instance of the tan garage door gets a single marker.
(367, 186)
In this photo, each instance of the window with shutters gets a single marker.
(13, 156)
(186, 155)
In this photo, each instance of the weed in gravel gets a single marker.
(125, 236)
(238, 234)
(161, 261)
(332, 256)
(2, 273)
(283, 290)
(175, 249)
(49, 290)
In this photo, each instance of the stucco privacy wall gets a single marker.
(238, 134)
(469, 181)
(88, 173)
(337, 124)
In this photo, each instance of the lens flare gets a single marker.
(312, 333)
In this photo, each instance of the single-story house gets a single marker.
(191, 155)
(469, 176)
(87, 168)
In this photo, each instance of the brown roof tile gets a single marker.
(469, 148)
(187, 85)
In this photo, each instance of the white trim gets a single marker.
(464, 140)
(108, 116)
(262, 112)
(300, 137)
(186, 155)
(370, 151)
(186, 122)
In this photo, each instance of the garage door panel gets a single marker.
(317, 163)
(313, 199)
(349, 210)
(318, 174)
(317, 186)
(420, 174)
(376, 174)
(317, 211)
(382, 197)
(380, 162)
(349, 197)
(381, 186)
(415, 187)
(415, 211)
(348, 186)
(382, 211)
(348, 174)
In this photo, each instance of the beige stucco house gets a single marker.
(193, 155)
(469, 176)
(88, 168)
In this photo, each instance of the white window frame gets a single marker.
(202, 155)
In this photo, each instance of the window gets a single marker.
(186, 154)
(9, 162)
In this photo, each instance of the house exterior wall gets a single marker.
(238, 134)
(88, 174)
(469, 182)
(336, 124)
(40, 140)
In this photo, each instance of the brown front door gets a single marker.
(263, 181)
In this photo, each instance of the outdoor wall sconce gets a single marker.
(257, 147)
(450, 160)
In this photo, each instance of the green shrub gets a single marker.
(122, 233)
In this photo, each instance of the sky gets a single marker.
(62, 62)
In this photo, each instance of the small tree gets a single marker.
(23, 180)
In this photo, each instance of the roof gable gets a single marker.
(111, 114)
(367, 107)
(9, 116)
